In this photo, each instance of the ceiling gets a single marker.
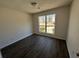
(25, 6)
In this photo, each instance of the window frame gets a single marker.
(46, 23)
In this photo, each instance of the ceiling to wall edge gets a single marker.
(15, 9)
(36, 12)
(51, 9)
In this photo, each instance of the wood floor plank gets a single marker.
(36, 46)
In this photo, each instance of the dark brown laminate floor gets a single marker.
(36, 46)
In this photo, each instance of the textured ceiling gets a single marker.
(24, 5)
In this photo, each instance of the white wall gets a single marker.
(14, 25)
(73, 33)
(62, 18)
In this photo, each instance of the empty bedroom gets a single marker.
(39, 28)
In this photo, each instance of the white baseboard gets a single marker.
(0, 55)
(53, 36)
(16, 40)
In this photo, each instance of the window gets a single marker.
(41, 23)
(47, 23)
(51, 24)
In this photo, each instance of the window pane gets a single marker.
(41, 23)
(51, 23)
